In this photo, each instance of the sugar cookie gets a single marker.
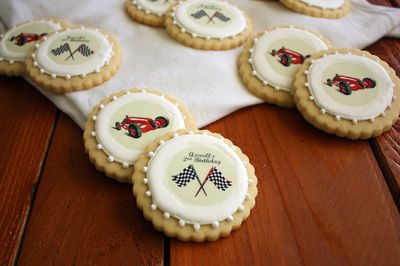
(269, 62)
(149, 12)
(208, 24)
(73, 59)
(319, 8)
(195, 186)
(119, 128)
(348, 92)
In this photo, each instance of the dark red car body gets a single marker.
(348, 84)
(23, 38)
(136, 126)
(288, 57)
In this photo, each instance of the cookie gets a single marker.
(120, 126)
(348, 92)
(319, 8)
(149, 12)
(195, 186)
(208, 24)
(73, 59)
(269, 62)
(16, 42)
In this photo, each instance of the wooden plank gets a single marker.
(322, 199)
(81, 217)
(387, 146)
(27, 120)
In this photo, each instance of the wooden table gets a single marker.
(322, 199)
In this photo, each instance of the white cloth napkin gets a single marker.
(207, 82)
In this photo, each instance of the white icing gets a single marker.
(20, 56)
(154, 8)
(191, 213)
(260, 51)
(331, 4)
(367, 111)
(102, 54)
(114, 148)
(185, 22)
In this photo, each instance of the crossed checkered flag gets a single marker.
(85, 50)
(188, 174)
(221, 16)
(61, 49)
(219, 180)
(199, 14)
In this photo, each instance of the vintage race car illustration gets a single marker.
(24, 38)
(288, 57)
(347, 84)
(136, 126)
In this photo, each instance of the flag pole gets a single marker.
(205, 180)
(198, 180)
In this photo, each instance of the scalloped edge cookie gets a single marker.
(201, 43)
(19, 68)
(255, 85)
(314, 11)
(75, 83)
(344, 127)
(172, 227)
(141, 16)
(115, 170)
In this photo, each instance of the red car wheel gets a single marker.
(344, 88)
(118, 126)
(162, 121)
(134, 131)
(286, 60)
(369, 83)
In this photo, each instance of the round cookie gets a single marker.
(319, 8)
(120, 126)
(73, 59)
(269, 62)
(348, 92)
(195, 186)
(149, 12)
(16, 42)
(208, 24)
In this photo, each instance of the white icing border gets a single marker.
(107, 58)
(197, 225)
(12, 61)
(321, 5)
(99, 145)
(155, 11)
(348, 117)
(207, 37)
(266, 32)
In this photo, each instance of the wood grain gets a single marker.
(322, 199)
(27, 120)
(81, 217)
(387, 146)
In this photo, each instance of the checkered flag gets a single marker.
(218, 180)
(199, 14)
(188, 174)
(63, 48)
(85, 50)
(221, 16)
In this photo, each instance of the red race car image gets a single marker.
(138, 125)
(347, 84)
(288, 57)
(23, 38)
